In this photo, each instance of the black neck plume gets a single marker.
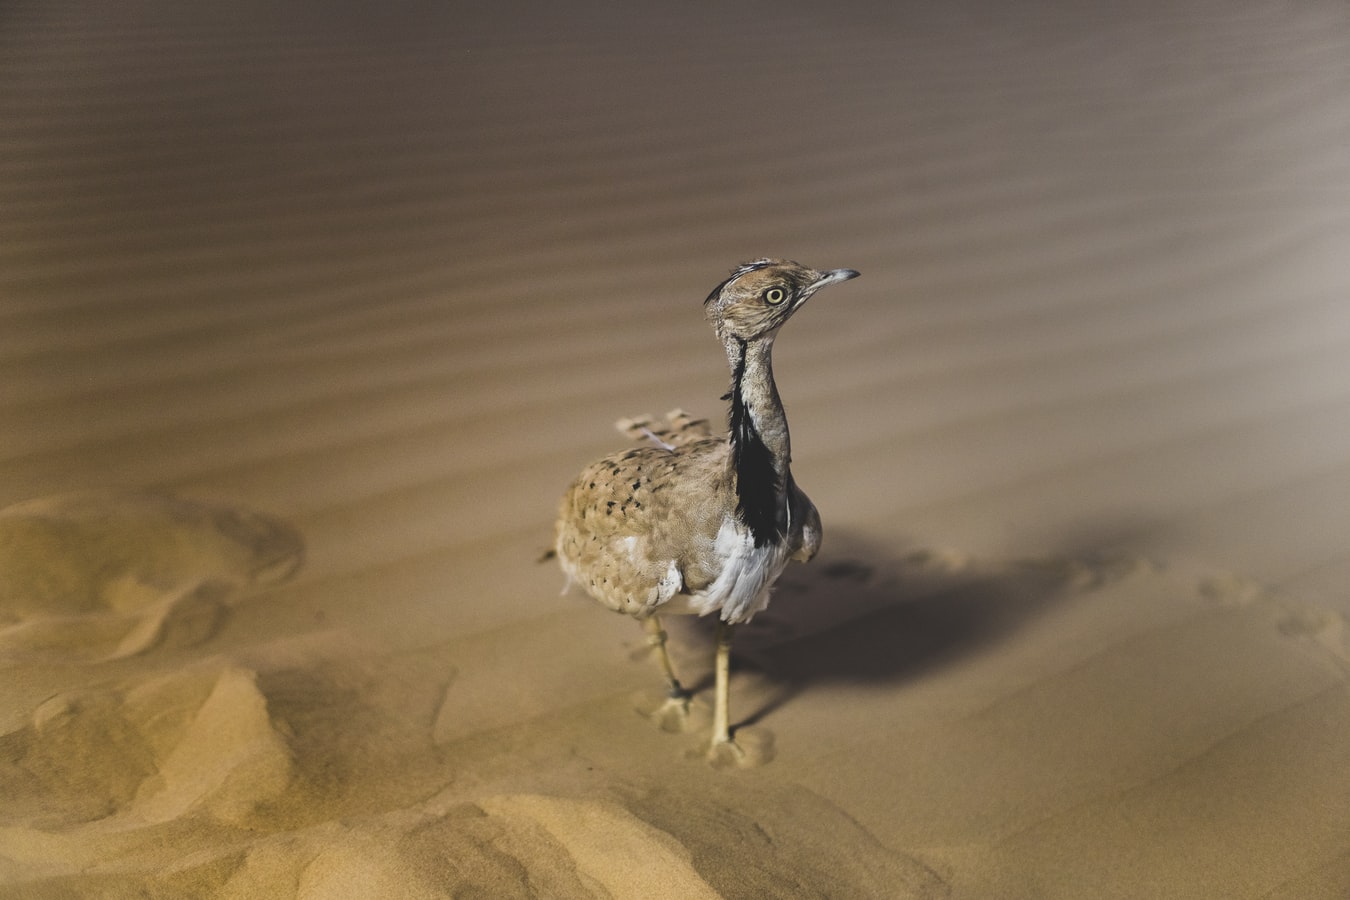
(758, 486)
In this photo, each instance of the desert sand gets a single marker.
(309, 312)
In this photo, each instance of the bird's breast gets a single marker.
(746, 570)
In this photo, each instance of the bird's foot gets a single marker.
(672, 712)
(750, 748)
(726, 754)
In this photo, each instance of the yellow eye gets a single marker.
(775, 296)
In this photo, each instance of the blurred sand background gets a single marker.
(310, 311)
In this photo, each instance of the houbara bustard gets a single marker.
(693, 522)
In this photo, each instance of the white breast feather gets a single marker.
(741, 589)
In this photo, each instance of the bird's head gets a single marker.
(760, 296)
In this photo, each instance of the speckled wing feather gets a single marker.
(638, 527)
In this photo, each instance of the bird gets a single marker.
(688, 521)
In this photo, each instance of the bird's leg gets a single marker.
(656, 636)
(672, 714)
(721, 734)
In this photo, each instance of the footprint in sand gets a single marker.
(1294, 618)
(98, 576)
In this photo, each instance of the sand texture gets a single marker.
(310, 311)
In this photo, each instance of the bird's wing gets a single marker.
(639, 526)
(677, 429)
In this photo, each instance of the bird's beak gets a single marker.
(826, 278)
(833, 277)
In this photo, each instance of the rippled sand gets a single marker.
(307, 317)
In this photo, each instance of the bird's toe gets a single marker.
(671, 712)
(750, 747)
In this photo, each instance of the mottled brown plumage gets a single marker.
(691, 522)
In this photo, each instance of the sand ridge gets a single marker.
(104, 575)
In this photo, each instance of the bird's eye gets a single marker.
(774, 296)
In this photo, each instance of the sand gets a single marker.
(309, 314)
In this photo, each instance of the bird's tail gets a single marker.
(675, 430)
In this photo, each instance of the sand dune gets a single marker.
(308, 315)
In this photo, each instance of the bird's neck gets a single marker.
(761, 450)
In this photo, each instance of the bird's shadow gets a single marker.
(868, 614)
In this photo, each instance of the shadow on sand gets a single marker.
(865, 613)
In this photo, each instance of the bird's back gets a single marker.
(639, 526)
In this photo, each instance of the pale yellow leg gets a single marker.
(721, 718)
(673, 714)
(656, 636)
